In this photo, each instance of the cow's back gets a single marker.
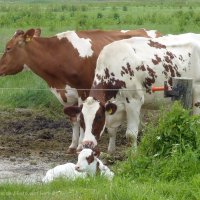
(141, 62)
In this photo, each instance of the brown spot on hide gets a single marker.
(168, 60)
(156, 45)
(113, 84)
(149, 80)
(82, 122)
(112, 74)
(157, 60)
(98, 122)
(141, 67)
(170, 54)
(90, 159)
(107, 74)
(127, 70)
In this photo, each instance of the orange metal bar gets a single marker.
(155, 89)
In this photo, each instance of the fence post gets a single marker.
(184, 86)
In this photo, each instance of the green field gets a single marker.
(165, 16)
(171, 177)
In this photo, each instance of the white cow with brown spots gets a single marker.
(125, 73)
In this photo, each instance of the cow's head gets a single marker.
(13, 59)
(92, 119)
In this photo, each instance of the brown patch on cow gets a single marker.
(111, 87)
(98, 77)
(197, 104)
(168, 59)
(141, 67)
(127, 100)
(156, 45)
(112, 74)
(157, 60)
(189, 54)
(90, 159)
(107, 74)
(173, 72)
(99, 122)
(127, 70)
(180, 58)
(82, 122)
(170, 54)
(149, 80)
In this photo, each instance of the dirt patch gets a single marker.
(32, 141)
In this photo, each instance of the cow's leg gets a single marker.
(80, 146)
(75, 135)
(196, 99)
(112, 139)
(133, 107)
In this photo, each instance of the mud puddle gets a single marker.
(32, 141)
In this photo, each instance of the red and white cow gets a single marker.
(66, 61)
(125, 73)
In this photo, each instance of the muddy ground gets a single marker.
(32, 141)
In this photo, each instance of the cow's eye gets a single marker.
(8, 49)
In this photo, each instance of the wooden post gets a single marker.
(184, 86)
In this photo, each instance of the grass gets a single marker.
(168, 175)
(99, 188)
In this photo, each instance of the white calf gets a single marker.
(89, 162)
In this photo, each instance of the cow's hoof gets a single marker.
(71, 151)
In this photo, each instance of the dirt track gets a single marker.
(31, 142)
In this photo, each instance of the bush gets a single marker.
(169, 150)
(175, 131)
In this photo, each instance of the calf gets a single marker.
(89, 162)
(124, 75)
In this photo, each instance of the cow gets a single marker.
(124, 75)
(65, 61)
(88, 164)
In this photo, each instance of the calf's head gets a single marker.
(92, 119)
(87, 161)
(13, 59)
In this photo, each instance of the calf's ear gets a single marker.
(110, 108)
(96, 152)
(72, 111)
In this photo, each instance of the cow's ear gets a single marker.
(72, 111)
(28, 36)
(37, 32)
(96, 152)
(110, 108)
